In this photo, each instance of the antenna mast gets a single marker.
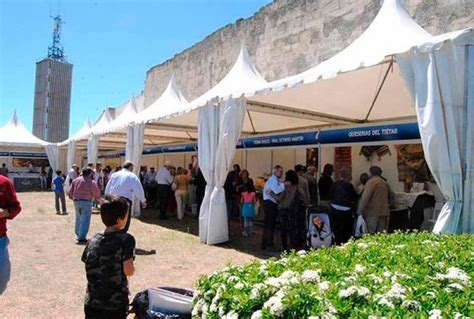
(56, 50)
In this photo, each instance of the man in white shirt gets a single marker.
(73, 173)
(270, 206)
(127, 185)
(164, 180)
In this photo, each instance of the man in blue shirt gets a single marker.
(58, 184)
(270, 206)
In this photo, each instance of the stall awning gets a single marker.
(15, 134)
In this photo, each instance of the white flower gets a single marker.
(385, 302)
(257, 315)
(275, 304)
(458, 315)
(351, 279)
(456, 286)
(362, 245)
(411, 305)
(221, 312)
(387, 274)
(310, 276)
(353, 290)
(363, 291)
(429, 242)
(239, 286)
(301, 252)
(399, 246)
(213, 307)
(396, 292)
(344, 293)
(435, 314)
(234, 279)
(231, 315)
(205, 310)
(428, 257)
(454, 274)
(323, 286)
(375, 278)
(359, 268)
(431, 294)
(257, 291)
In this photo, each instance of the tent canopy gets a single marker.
(360, 84)
(15, 134)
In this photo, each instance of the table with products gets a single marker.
(408, 212)
(24, 182)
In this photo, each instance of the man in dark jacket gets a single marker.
(324, 185)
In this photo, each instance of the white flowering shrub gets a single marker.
(401, 275)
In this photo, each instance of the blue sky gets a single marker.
(112, 43)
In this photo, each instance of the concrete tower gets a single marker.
(52, 102)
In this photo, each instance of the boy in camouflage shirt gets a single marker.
(108, 258)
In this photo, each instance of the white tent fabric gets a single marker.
(230, 128)
(317, 91)
(207, 145)
(440, 76)
(170, 102)
(133, 152)
(92, 149)
(52, 151)
(134, 145)
(83, 133)
(14, 133)
(123, 120)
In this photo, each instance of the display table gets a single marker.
(25, 182)
(409, 210)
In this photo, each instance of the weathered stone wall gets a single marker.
(289, 36)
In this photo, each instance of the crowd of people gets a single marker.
(289, 198)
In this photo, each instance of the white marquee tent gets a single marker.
(14, 135)
(375, 79)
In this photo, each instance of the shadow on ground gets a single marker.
(190, 225)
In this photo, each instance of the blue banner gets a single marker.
(394, 132)
(379, 133)
(28, 155)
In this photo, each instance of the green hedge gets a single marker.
(401, 275)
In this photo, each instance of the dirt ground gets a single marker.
(48, 278)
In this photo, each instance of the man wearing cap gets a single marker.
(164, 180)
(126, 184)
(375, 202)
(83, 191)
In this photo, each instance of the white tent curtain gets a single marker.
(208, 123)
(52, 151)
(226, 119)
(133, 152)
(92, 149)
(71, 154)
(134, 145)
(440, 78)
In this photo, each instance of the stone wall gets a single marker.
(290, 36)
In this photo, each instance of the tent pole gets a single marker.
(390, 66)
(251, 122)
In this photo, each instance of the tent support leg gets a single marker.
(390, 66)
(251, 122)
